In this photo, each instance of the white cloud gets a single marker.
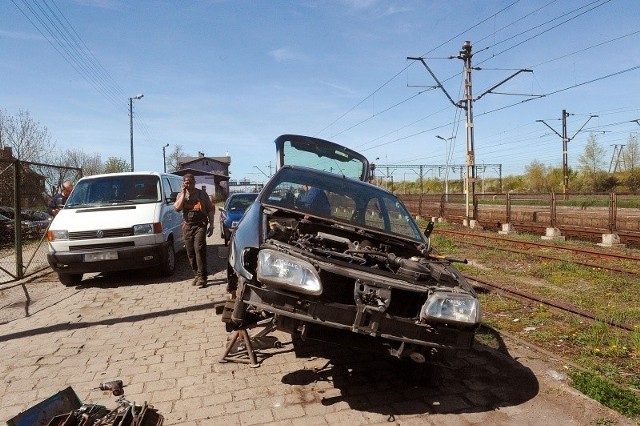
(285, 54)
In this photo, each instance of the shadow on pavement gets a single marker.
(478, 380)
(110, 321)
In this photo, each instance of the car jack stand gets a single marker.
(244, 350)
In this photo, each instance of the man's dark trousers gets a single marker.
(195, 241)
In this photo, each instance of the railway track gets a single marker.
(529, 297)
(607, 260)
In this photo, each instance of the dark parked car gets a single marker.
(7, 231)
(232, 211)
(34, 223)
(358, 270)
(8, 212)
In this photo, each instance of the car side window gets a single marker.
(398, 221)
(342, 206)
(373, 214)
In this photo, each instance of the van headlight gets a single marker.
(458, 307)
(282, 270)
(143, 229)
(57, 234)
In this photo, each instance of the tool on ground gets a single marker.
(115, 386)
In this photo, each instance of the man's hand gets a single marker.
(210, 230)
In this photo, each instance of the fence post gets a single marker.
(613, 212)
(475, 202)
(553, 210)
(421, 192)
(17, 208)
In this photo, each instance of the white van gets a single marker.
(115, 222)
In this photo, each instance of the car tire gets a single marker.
(168, 266)
(70, 280)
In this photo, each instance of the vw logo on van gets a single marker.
(100, 234)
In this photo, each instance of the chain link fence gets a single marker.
(25, 191)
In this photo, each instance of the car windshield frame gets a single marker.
(323, 155)
(115, 190)
(351, 202)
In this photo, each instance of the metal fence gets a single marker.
(25, 191)
(606, 212)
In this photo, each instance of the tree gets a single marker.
(592, 159)
(604, 182)
(91, 164)
(28, 139)
(632, 181)
(536, 177)
(172, 159)
(63, 166)
(115, 165)
(631, 154)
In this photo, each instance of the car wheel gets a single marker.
(169, 264)
(70, 279)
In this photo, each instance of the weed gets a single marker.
(635, 340)
(622, 400)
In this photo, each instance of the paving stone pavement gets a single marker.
(163, 339)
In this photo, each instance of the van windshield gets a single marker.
(113, 190)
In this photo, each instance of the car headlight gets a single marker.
(281, 270)
(456, 307)
(143, 229)
(58, 234)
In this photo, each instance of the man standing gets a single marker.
(58, 200)
(197, 213)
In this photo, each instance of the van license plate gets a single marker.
(97, 257)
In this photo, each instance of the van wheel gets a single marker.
(169, 265)
(70, 279)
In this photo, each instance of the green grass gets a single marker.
(621, 400)
(611, 355)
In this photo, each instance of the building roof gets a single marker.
(186, 160)
(217, 176)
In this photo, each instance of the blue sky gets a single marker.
(230, 76)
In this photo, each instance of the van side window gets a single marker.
(166, 187)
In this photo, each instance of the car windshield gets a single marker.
(341, 199)
(321, 155)
(116, 189)
(240, 201)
